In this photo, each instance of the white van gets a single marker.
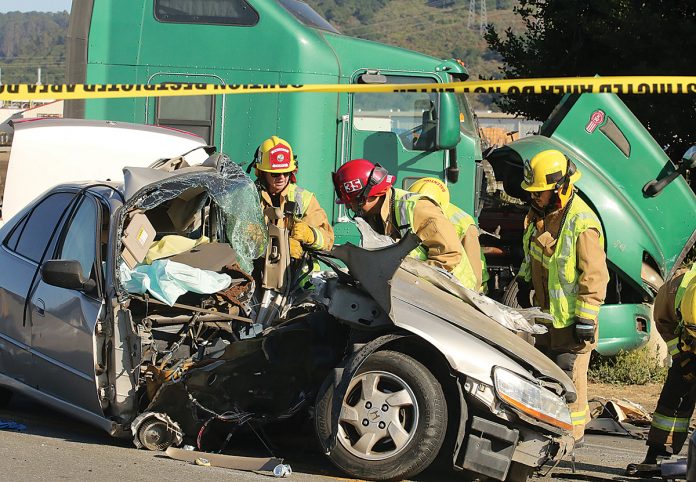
(46, 152)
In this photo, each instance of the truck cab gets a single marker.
(278, 42)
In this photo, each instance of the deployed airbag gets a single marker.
(167, 280)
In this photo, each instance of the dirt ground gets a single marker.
(644, 395)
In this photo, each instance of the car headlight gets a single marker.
(531, 399)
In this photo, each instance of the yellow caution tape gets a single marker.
(568, 85)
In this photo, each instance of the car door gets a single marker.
(27, 240)
(63, 320)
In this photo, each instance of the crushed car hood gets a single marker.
(400, 285)
(410, 290)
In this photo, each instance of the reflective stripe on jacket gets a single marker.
(462, 222)
(404, 211)
(303, 200)
(563, 274)
(307, 209)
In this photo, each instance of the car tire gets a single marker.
(5, 397)
(391, 395)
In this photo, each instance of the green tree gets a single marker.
(605, 37)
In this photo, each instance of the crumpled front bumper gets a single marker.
(491, 448)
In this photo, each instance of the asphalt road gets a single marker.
(55, 447)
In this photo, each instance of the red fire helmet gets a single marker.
(359, 179)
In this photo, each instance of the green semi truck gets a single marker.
(412, 134)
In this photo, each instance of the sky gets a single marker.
(38, 5)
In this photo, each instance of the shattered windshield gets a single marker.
(235, 211)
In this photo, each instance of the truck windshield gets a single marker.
(411, 116)
(305, 14)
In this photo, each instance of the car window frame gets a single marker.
(22, 224)
(97, 273)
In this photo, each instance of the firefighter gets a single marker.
(276, 168)
(675, 318)
(472, 266)
(367, 189)
(565, 264)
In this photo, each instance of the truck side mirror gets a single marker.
(66, 274)
(448, 122)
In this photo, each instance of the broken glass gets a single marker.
(238, 212)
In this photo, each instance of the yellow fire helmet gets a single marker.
(688, 304)
(274, 155)
(550, 170)
(434, 188)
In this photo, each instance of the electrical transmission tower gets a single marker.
(472, 13)
(483, 16)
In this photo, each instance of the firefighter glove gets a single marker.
(296, 250)
(303, 233)
(584, 330)
(524, 289)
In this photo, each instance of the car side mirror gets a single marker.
(448, 122)
(66, 274)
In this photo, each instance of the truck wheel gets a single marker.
(510, 296)
(393, 419)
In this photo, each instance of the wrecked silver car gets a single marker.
(164, 309)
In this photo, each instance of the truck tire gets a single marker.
(393, 419)
(510, 296)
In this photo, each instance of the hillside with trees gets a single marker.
(31, 40)
(434, 27)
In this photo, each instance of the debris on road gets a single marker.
(269, 464)
(618, 417)
(10, 425)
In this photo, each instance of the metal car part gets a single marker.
(533, 449)
(490, 448)
(155, 431)
(355, 307)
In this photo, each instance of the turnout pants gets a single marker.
(560, 345)
(670, 425)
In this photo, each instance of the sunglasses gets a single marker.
(278, 174)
